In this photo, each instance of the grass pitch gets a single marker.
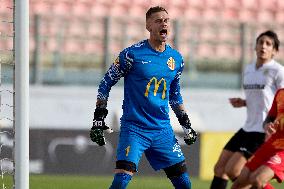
(103, 182)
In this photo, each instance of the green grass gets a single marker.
(103, 182)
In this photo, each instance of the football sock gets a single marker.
(120, 181)
(218, 183)
(181, 182)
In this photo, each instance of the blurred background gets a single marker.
(72, 44)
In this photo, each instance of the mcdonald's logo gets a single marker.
(157, 85)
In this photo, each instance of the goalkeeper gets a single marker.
(151, 71)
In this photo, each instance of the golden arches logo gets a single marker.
(157, 85)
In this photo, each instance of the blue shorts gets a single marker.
(160, 146)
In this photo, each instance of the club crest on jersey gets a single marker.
(171, 63)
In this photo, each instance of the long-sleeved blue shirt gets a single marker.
(151, 83)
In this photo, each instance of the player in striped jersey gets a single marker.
(261, 79)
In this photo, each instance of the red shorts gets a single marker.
(270, 156)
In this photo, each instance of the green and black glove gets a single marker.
(190, 134)
(99, 125)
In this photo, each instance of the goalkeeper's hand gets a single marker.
(190, 135)
(97, 131)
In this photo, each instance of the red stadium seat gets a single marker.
(72, 46)
(205, 51)
(50, 45)
(211, 15)
(76, 27)
(81, 9)
(265, 16)
(247, 15)
(193, 14)
(41, 7)
(6, 45)
(144, 4)
(96, 28)
(124, 3)
(207, 34)
(279, 17)
(225, 51)
(117, 10)
(270, 5)
(49, 26)
(184, 48)
(249, 4)
(98, 10)
(6, 29)
(228, 33)
(181, 4)
(62, 8)
(175, 12)
(137, 12)
(232, 4)
(107, 3)
(280, 5)
(94, 47)
(200, 4)
(6, 7)
(136, 29)
(214, 4)
(230, 14)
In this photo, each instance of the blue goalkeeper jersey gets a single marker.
(151, 83)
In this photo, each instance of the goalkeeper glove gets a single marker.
(96, 132)
(190, 134)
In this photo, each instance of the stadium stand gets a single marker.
(213, 4)
(80, 23)
(197, 4)
(229, 4)
(193, 14)
(268, 5)
(249, 4)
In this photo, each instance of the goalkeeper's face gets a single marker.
(159, 26)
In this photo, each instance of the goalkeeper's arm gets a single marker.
(190, 134)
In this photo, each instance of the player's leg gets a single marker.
(220, 179)
(261, 176)
(251, 141)
(121, 179)
(165, 153)
(234, 165)
(242, 182)
(129, 151)
(260, 169)
(273, 167)
(178, 175)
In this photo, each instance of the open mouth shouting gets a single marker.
(164, 33)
